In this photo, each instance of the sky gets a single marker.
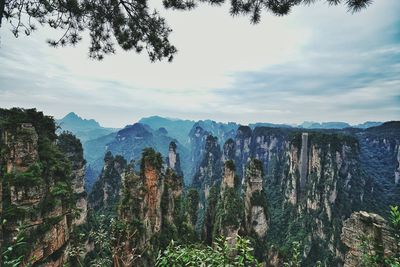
(319, 63)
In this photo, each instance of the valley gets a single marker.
(74, 193)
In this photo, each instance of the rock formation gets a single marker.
(209, 170)
(243, 148)
(230, 208)
(255, 200)
(41, 178)
(369, 229)
(105, 192)
(72, 148)
(151, 205)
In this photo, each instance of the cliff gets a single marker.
(367, 234)
(209, 170)
(105, 192)
(225, 212)
(151, 206)
(40, 181)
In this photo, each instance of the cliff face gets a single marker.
(153, 185)
(210, 168)
(173, 186)
(151, 206)
(242, 148)
(72, 149)
(322, 185)
(39, 182)
(105, 192)
(379, 159)
(263, 143)
(225, 211)
(371, 230)
(313, 182)
(255, 200)
(197, 140)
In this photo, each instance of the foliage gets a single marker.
(210, 214)
(99, 236)
(151, 157)
(221, 254)
(373, 253)
(47, 179)
(128, 23)
(14, 254)
(110, 181)
(295, 259)
(72, 147)
(229, 212)
(192, 204)
(32, 177)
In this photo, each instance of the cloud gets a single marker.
(319, 63)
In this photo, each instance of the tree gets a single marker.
(129, 23)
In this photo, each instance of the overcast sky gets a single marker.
(320, 63)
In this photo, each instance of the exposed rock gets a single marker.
(230, 208)
(151, 207)
(303, 161)
(228, 150)
(153, 185)
(210, 168)
(362, 225)
(73, 150)
(36, 192)
(228, 179)
(243, 148)
(255, 200)
(23, 147)
(173, 159)
(106, 190)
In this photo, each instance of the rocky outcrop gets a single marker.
(41, 176)
(243, 151)
(173, 187)
(228, 150)
(255, 200)
(323, 185)
(72, 148)
(379, 159)
(173, 159)
(106, 190)
(303, 164)
(197, 140)
(366, 229)
(153, 186)
(263, 143)
(210, 168)
(229, 210)
(151, 206)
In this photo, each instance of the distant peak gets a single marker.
(72, 115)
(74, 121)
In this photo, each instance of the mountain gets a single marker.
(267, 124)
(129, 142)
(177, 128)
(84, 129)
(367, 124)
(324, 125)
(320, 195)
(335, 125)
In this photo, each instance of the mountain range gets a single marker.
(157, 131)
(134, 195)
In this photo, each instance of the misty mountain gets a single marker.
(175, 127)
(84, 129)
